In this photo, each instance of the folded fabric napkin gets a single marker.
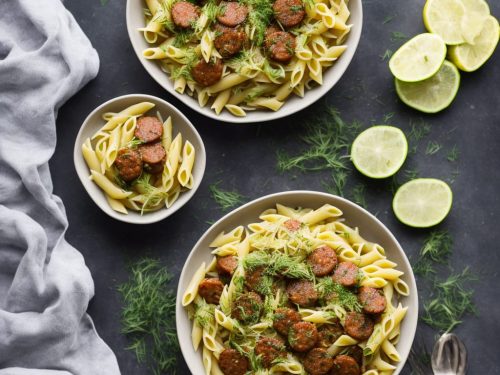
(45, 286)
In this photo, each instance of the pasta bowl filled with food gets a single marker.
(247, 60)
(139, 158)
(299, 282)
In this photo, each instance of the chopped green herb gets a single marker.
(397, 36)
(387, 55)
(225, 199)
(453, 154)
(419, 130)
(388, 19)
(436, 248)
(330, 291)
(152, 196)
(358, 195)
(411, 174)
(454, 175)
(104, 2)
(339, 179)
(387, 117)
(432, 148)
(296, 8)
(451, 301)
(148, 316)
(259, 17)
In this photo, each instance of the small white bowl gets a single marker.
(135, 20)
(369, 226)
(181, 124)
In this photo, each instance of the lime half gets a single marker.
(444, 17)
(423, 202)
(379, 151)
(476, 12)
(470, 57)
(419, 58)
(435, 93)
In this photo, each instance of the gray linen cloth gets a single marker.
(45, 286)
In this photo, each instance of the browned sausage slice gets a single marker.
(226, 265)
(346, 274)
(302, 292)
(247, 308)
(329, 333)
(270, 349)
(302, 336)
(345, 365)
(372, 300)
(229, 41)
(357, 353)
(232, 14)
(253, 278)
(284, 318)
(128, 162)
(322, 260)
(153, 156)
(317, 362)
(289, 13)
(231, 362)
(185, 14)
(149, 129)
(208, 73)
(281, 46)
(292, 225)
(358, 325)
(211, 290)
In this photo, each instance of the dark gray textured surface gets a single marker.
(243, 158)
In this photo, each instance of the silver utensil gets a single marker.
(449, 356)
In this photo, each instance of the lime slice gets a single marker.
(379, 151)
(476, 12)
(444, 17)
(435, 93)
(470, 57)
(419, 58)
(423, 202)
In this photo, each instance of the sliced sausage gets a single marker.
(231, 362)
(233, 13)
(346, 274)
(289, 13)
(128, 162)
(358, 325)
(284, 318)
(229, 41)
(280, 46)
(302, 292)
(270, 349)
(329, 333)
(247, 308)
(153, 156)
(211, 290)
(292, 225)
(322, 260)
(302, 336)
(272, 29)
(253, 278)
(345, 365)
(372, 300)
(207, 73)
(185, 14)
(317, 362)
(357, 353)
(226, 265)
(149, 129)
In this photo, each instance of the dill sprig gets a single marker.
(436, 248)
(388, 19)
(224, 198)
(419, 130)
(339, 179)
(153, 196)
(259, 17)
(204, 314)
(278, 264)
(387, 117)
(330, 291)
(453, 154)
(328, 139)
(432, 148)
(358, 195)
(148, 316)
(398, 36)
(451, 301)
(386, 55)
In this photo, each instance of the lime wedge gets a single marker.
(476, 12)
(470, 57)
(379, 151)
(435, 93)
(444, 17)
(423, 202)
(419, 58)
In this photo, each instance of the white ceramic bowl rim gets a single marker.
(150, 217)
(292, 105)
(411, 318)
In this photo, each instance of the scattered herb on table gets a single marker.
(453, 154)
(224, 198)
(339, 179)
(386, 55)
(104, 2)
(437, 248)
(397, 36)
(148, 316)
(451, 301)
(358, 195)
(432, 148)
(388, 19)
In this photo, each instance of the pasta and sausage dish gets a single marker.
(299, 292)
(247, 54)
(137, 162)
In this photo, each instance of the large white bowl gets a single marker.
(370, 228)
(135, 20)
(181, 124)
